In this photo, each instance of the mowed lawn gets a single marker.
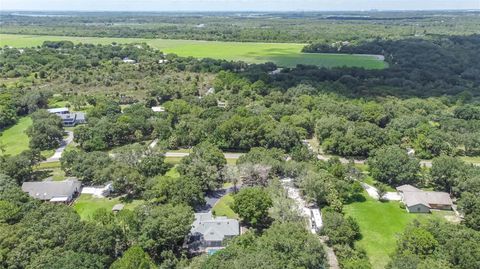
(14, 139)
(380, 223)
(283, 54)
(86, 205)
(223, 207)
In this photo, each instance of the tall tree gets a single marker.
(163, 228)
(252, 205)
(134, 257)
(204, 165)
(393, 166)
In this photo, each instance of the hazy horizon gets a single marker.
(235, 6)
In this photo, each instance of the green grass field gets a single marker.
(380, 223)
(222, 208)
(14, 139)
(283, 54)
(474, 160)
(86, 205)
(52, 169)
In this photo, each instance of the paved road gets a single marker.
(373, 192)
(58, 152)
(184, 154)
(425, 163)
(175, 154)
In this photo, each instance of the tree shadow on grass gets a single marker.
(356, 198)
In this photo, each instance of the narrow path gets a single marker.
(314, 219)
(331, 257)
(58, 152)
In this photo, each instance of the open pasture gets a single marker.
(283, 54)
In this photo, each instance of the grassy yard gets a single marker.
(475, 160)
(86, 205)
(173, 173)
(173, 160)
(52, 169)
(222, 208)
(283, 54)
(14, 139)
(380, 223)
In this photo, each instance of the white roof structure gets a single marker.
(128, 61)
(60, 199)
(58, 110)
(210, 91)
(312, 214)
(158, 109)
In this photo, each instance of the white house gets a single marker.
(128, 61)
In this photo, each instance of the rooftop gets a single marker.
(58, 110)
(158, 109)
(214, 229)
(48, 190)
(413, 196)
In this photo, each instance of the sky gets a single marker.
(235, 5)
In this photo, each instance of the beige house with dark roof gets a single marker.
(418, 201)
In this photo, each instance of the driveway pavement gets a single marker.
(212, 198)
(373, 192)
(58, 152)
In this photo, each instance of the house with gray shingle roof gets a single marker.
(53, 191)
(419, 201)
(210, 232)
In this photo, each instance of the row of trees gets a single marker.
(229, 26)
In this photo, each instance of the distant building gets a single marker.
(128, 61)
(53, 191)
(276, 71)
(222, 104)
(158, 109)
(61, 110)
(72, 119)
(69, 119)
(419, 201)
(210, 91)
(210, 232)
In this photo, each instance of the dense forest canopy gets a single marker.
(327, 132)
(304, 27)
